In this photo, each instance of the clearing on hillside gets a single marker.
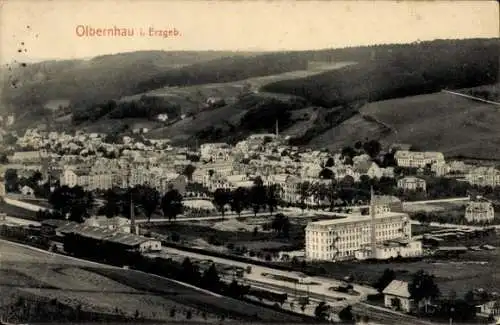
(438, 121)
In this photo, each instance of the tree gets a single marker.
(385, 279)
(348, 152)
(147, 198)
(239, 200)
(329, 162)
(469, 297)
(389, 160)
(304, 193)
(210, 279)
(272, 198)
(221, 198)
(11, 180)
(321, 312)
(9, 139)
(188, 171)
(3, 158)
(422, 287)
(171, 203)
(372, 148)
(346, 315)
(326, 173)
(281, 224)
(113, 202)
(190, 272)
(257, 195)
(72, 201)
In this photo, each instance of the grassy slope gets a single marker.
(439, 121)
(28, 270)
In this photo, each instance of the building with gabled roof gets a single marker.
(397, 296)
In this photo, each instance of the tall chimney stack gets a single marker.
(132, 216)
(373, 223)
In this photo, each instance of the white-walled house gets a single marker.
(479, 211)
(411, 183)
(397, 296)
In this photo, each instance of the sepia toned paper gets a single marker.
(249, 162)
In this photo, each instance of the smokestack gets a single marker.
(277, 129)
(373, 223)
(132, 216)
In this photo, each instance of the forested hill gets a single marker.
(417, 67)
(399, 71)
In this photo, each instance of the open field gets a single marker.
(95, 287)
(39, 202)
(423, 229)
(14, 211)
(190, 98)
(437, 121)
(238, 233)
(435, 207)
(460, 275)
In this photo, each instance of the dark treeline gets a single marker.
(400, 71)
(145, 107)
(238, 68)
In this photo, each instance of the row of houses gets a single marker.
(158, 178)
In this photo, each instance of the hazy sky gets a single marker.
(48, 28)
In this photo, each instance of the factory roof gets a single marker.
(128, 239)
(103, 234)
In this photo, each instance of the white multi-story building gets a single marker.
(417, 159)
(479, 211)
(440, 169)
(28, 156)
(215, 151)
(287, 184)
(340, 239)
(411, 183)
(85, 179)
(484, 176)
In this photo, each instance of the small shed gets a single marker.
(397, 296)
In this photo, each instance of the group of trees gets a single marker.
(73, 203)
(346, 190)
(257, 198)
(403, 71)
(76, 204)
(13, 182)
(146, 200)
(145, 107)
